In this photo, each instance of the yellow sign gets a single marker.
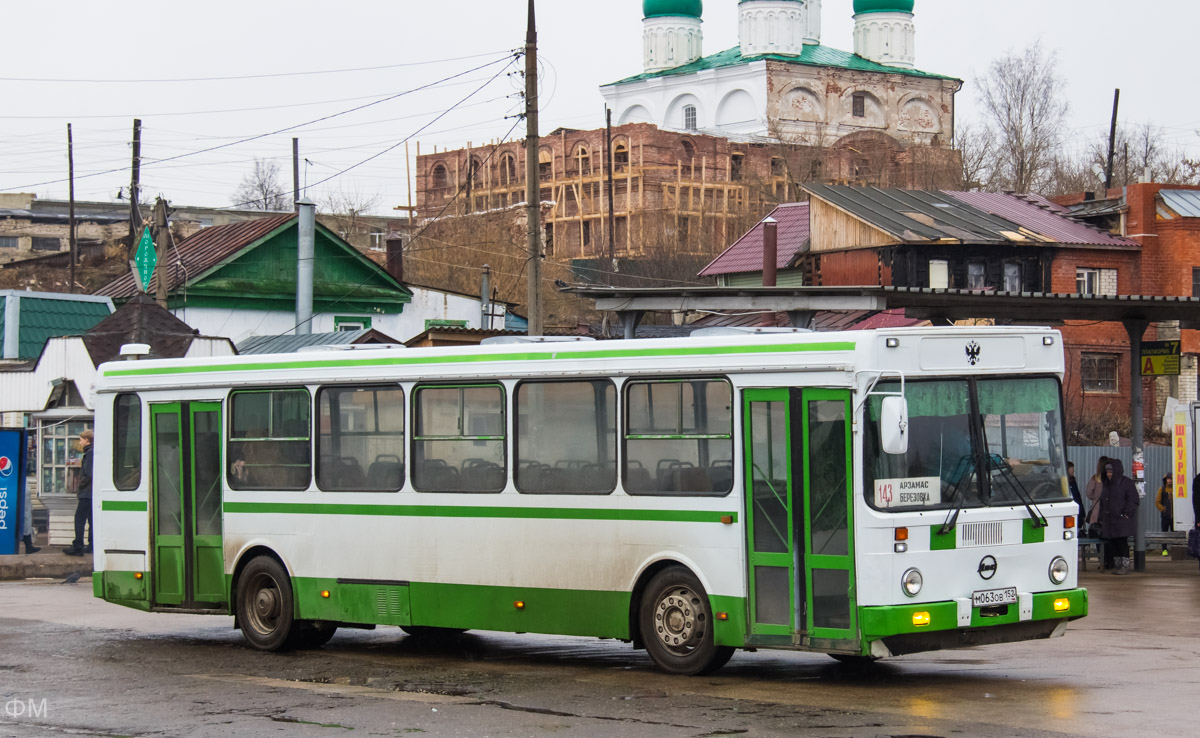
(1160, 358)
(1180, 460)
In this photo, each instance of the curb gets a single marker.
(44, 566)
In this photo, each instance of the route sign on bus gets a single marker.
(1160, 358)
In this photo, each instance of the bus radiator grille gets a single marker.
(981, 534)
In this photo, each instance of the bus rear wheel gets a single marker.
(311, 634)
(676, 622)
(265, 605)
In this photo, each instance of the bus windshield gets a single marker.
(972, 443)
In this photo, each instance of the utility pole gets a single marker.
(612, 206)
(135, 214)
(533, 188)
(1112, 144)
(71, 207)
(296, 174)
(161, 237)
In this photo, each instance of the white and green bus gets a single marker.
(863, 494)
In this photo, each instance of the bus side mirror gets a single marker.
(893, 425)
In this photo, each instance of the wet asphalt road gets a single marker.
(1131, 668)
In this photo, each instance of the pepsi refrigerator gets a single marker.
(12, 489)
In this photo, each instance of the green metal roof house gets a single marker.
(29, 319)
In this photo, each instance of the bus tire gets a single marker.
(311, 634)
(676, 623)
(265, 604)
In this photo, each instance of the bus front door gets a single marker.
(798, 503)
(828, 537)
(188, 567)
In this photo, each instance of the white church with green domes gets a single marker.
(780, 83)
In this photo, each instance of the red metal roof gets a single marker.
(746, 253)
(201, 252)
(1041, 216)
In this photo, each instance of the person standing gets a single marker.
(1196, 503)
(1074, 487)
(83, 490)
(1118, 513)
(27, 525)
(1165, 503)
(1093, 489)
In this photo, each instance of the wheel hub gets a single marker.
(675, 619)
(266, 604)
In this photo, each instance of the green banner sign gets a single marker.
(144, 261)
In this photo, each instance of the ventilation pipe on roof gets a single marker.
(306, 250)
(770, 257)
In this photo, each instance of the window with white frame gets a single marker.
(976, 275)
(689, 117)
(1092, 281)
(1012, 277)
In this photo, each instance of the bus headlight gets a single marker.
(911, 582)
(1058, 570)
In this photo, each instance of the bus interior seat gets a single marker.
(637, 477)
(436, 475)
(481, 475)
(386, 472)
(347, 474)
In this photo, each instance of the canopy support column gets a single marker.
(1136, 329)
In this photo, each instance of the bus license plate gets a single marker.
(988, 597)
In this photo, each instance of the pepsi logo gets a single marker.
(6, 466)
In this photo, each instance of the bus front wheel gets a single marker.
(265, 604)
(677, 624)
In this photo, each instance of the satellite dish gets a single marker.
(1098, 170)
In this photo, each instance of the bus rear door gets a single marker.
(188, 568)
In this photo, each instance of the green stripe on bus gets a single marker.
(124, 506)
(939, 541)
(481, 358)
(448, 511)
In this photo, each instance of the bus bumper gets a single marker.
(929, 626)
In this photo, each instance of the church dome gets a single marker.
(685, 8)
(883, 6)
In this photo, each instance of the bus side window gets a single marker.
(360, 444)
(679, 437)
(127, 442)
(270, 440)
(459, 439)
(566, 437)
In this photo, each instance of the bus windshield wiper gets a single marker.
(1006, 473)
(962, 472)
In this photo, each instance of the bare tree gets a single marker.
(977, 144)
(260, 188)
(1025, 107)
(1140, 149)
(346, 209)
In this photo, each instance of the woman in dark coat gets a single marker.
(1118, 513)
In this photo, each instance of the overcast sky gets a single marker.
(1101, 44)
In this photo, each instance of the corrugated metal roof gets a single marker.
(746, 253)
(203, 251)
(916, 216)
(1184, 202)
(290, 344)
(43, 318)
(1037, 214)
(814, 55)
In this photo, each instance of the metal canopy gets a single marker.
(916, 302)
(1135, 312)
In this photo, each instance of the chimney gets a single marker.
(770, 257)
(1089, 196)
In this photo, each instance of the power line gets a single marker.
(281, 130)
(273, 75)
